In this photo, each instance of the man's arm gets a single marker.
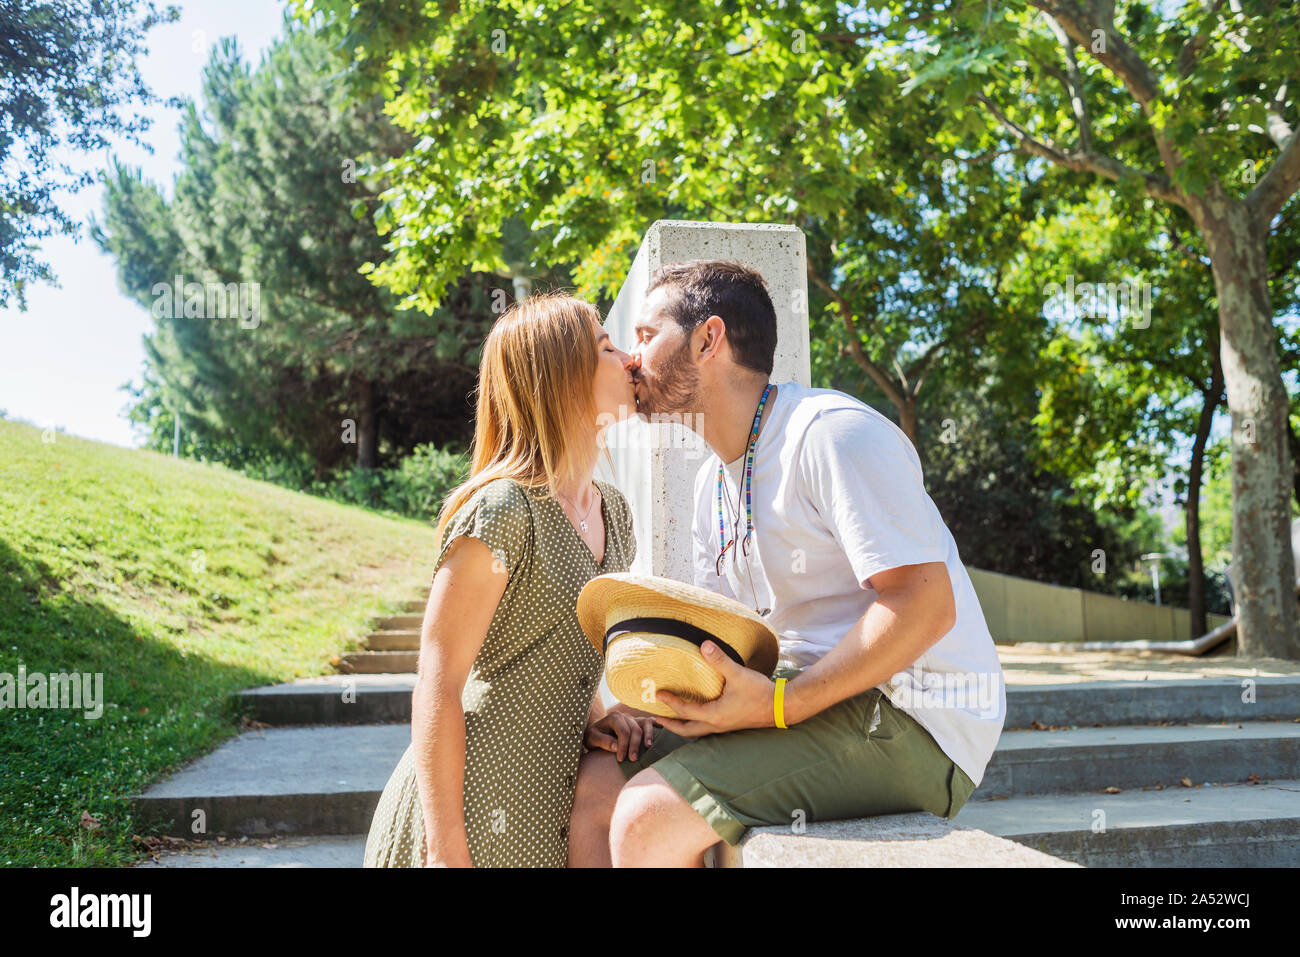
(915, 608)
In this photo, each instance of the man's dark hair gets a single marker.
(734, 293)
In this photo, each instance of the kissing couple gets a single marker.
(811, 510)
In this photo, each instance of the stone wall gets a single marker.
(1018, 609)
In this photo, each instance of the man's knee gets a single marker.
(654, 826)
(644, 805)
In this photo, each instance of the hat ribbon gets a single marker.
(673, 627)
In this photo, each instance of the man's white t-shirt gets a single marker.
(838, 496)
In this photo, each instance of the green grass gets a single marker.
(181, 583)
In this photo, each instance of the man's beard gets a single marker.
(672, 390)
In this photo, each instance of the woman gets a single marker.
(506, 695)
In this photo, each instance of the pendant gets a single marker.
(583, 526)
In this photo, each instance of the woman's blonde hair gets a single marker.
(535, 403)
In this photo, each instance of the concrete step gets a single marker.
(1202, 700)
(1050, 705)
(393, 641)
(1237, 825)
(415, 607)
(332, 699)
(290, 781)
(378, 662)
(400, 622)
(274, 851)
(887, 841)
(1092, 759)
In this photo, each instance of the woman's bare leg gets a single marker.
(599, 783)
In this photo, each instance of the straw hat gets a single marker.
(650, 630)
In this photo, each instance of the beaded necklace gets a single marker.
(723, 544)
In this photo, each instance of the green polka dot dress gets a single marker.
(529, 691)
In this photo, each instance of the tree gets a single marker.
(1123, 384)
(592, 119)
(989, 474)
(67, 77)
(275, 204)
(1196, 103)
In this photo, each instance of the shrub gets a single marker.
(423, 480)
(414, 489)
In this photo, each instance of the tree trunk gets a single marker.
(898, 394)
(367, 431)
(1263, 569)
(1195, 564)
(907, 417)
(1294, 443)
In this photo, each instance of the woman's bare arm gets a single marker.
(462, 601)
(597, 709)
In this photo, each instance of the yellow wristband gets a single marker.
(778, 703)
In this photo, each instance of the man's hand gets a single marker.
(745, 702)
(620, 733)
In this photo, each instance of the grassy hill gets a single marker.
(180, 583)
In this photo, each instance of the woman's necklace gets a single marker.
(582, 522)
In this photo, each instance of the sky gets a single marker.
(64, 361)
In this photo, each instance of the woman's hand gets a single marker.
(620, 733)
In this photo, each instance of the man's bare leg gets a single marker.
(653, 826)
(599, 783)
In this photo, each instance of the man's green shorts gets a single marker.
(857, 758)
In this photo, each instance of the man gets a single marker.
(892, 698)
